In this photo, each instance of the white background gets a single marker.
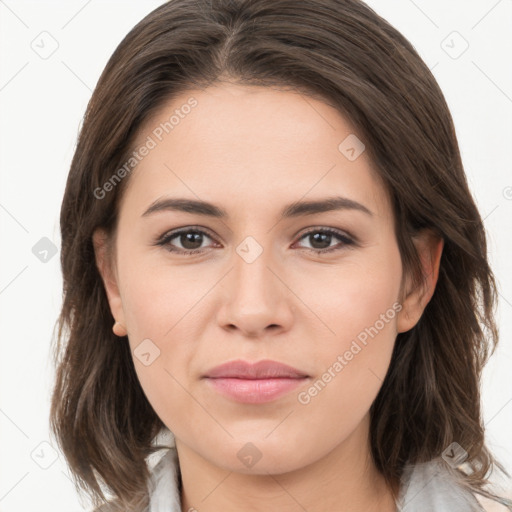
(42, 102)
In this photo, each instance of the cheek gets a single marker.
(158, 304)
(167, 317)
(360, 300)
(159, 299)
(360, 309)
(162, 351)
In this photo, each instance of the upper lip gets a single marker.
(265, 369)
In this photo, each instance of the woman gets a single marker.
(274, 272)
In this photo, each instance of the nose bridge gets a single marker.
(257, 298)
(252, 275)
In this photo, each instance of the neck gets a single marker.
(344, 480)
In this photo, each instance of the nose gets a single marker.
(256, 298)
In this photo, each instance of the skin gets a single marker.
(252, 150)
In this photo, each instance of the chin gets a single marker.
(259, 457)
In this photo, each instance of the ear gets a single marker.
(106, 268)
(429, 247)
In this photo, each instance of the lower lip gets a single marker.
(255, 391)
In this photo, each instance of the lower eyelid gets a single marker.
(345, 241)
(166, 240)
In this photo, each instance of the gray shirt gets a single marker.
(425, 487)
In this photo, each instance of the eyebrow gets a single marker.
(296, 209)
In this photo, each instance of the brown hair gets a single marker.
(344, 53)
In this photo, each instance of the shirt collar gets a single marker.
(424, 487)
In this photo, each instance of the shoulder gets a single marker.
(435, 486)
(490, 505)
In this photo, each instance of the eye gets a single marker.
(190, 239)
(321, 239)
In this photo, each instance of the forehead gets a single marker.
(251, 146)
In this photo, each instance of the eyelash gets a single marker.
(165, 240)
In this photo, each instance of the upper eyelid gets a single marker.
(173, 233)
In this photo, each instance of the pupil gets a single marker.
(192, 240)
(324, 238)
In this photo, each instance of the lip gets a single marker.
(265, 369)
(254, 383)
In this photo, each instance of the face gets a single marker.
(315, 289)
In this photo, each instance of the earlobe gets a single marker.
(105, 267)
(430, 247)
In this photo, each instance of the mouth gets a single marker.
(254, 383)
